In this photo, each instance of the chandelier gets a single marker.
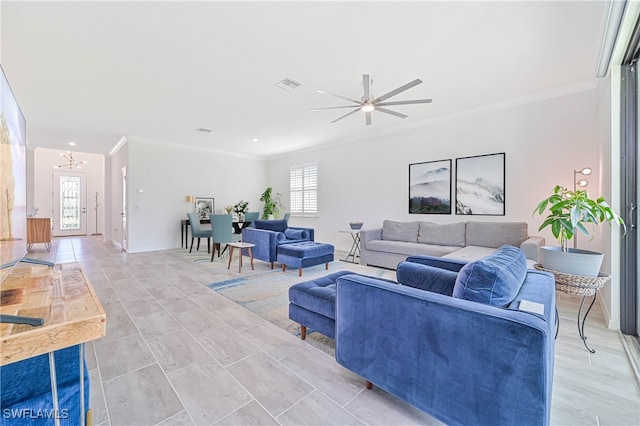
(72, 163)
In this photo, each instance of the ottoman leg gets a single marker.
(326, 266)
(299, 272)
(284, 267)
(368, 384)
(303, 332)
(271, 265)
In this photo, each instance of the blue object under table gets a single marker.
(313, 304)
(305, 253)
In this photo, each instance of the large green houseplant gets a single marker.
(272, 203)
(569, 212)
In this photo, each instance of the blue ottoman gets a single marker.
(303, 254)
(313, 304)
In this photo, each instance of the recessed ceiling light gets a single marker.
(72, 143)
(255, 140)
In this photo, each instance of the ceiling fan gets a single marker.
(368, 103)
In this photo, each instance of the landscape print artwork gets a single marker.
(430, 187)
(480, 185)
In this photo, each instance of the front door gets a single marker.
(69, 204)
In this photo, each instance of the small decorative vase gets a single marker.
(234, 217)
(240, 217)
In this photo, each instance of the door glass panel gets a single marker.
(69, 202)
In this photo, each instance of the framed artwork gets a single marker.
(204, 207)
(430, 187)
(480, 185)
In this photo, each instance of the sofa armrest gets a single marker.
(438, 262)
(427, 278)
(265, 242)
(310, 231)
(531, 247)
(459, 348)
(367, 235)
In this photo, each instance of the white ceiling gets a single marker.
(92, 72)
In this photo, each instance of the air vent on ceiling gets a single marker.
(288, 84)
(203, 130)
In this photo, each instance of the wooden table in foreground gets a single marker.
(62, 296)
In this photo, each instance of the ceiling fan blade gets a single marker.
(417, 101)
(366, 83)
(398, 90)
(346, 115)
(337, 96)
(367, 117)
(388, 111)
(333, 107)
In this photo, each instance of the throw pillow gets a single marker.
(296, 234)
(495, 279)
(400, 231)
(451, 234)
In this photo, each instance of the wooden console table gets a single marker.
(39, 231)
(63, 297)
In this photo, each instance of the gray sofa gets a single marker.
(395, 241)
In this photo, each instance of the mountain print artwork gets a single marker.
(480, 185)
(430, 187)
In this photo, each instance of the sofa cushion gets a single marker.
(400, 231)
(296, 234)
(451, 234)
(408, 249)
(424, 277)
(495, 279)
(496, 234)
(271, 225)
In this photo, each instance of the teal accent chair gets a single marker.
(198, 232)
(222, 232)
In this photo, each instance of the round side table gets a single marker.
(581, 286)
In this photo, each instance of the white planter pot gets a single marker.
(575, 261)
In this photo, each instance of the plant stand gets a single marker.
(581, 286)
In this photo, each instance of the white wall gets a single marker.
(544, 142)
(113, 184)
(43, 161)
(161, 174)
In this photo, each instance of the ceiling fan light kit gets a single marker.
(368, 105)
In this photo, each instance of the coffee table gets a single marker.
(240, 246)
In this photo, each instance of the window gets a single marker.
(303, 182)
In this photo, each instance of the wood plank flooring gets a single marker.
(172, 356)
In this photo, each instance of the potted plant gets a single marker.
(272, 204)
(569, 211)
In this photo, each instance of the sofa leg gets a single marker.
(284, 267)
(368, 384)
(299, 272)
(271, 265)
(303, 332)
(326, 266)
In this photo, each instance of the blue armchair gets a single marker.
(465, 351)
(267, 235)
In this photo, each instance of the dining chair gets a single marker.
(286, 217)
(198, 232)
(222, 232)
(251, 216)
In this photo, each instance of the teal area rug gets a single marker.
(266, 293)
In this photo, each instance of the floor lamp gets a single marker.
(586, 171)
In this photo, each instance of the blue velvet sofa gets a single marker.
(25, 386)
(454, 339)
(267, 235)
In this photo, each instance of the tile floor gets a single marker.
(178, 353)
